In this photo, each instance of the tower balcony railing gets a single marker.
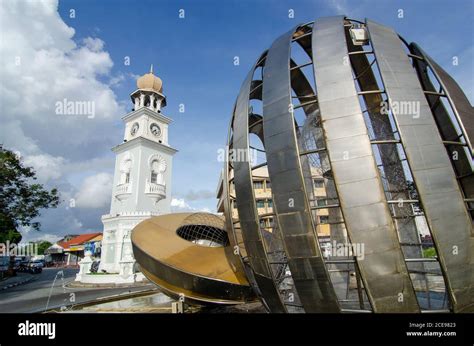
(122, 191)
(156, 191)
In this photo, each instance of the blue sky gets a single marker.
(194, 57)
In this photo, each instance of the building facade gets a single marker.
(264, 201)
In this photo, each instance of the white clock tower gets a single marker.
(142, 180)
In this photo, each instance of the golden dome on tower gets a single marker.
(150, 81)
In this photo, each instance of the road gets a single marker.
(47, 291)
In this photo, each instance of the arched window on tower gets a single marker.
(158, 167)
(154, 177)
(125, 168)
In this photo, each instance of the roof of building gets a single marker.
(54, 249)
(80, 239)
(96, 238)
(150, 82)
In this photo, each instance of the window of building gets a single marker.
(270, 203)
(157, 167)
(318, 183)
(270, 222)
(125, 168)
(258, 185)
(322, 202)
(260, 203)
(324, 219)
(268, 184)
(154, 177)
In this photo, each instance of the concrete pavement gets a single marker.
(49, 290)
(13, 281)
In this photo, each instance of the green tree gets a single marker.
(20, 197)
(42, 246)
(12, 235)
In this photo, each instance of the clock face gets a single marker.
(134, 129)
(155, 129)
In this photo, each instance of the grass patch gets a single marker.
(429, 252)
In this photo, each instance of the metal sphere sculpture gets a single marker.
(389, 133)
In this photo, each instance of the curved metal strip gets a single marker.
(226, 195)
(209, 278)
(198, 288)
(459, 102)
(291, 206)
(306, 96)
(256, 126)
(303, 90)
(439, 192)
(361, 195)
(396, 187)
(462, 164)
(235, 258)
(246, 206)
(256, 90)
(305, 41)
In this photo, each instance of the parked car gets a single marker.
(35, 267)
(24, 266)
(4, 266)
(17, 264)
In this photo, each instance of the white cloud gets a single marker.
(95, 191)
(117, 80)
(14, 137)
(46, 166)
(94, 164)
(338, 6)
(180, 205)
(31, 235)
(199, 195)
(42, 63)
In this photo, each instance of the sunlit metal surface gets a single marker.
(387, 174)
(355, 172)
(390, 164)
(459, 151)
(248, 215)
(433, 173)
(365, 145)
(290, 199)
(191, 270)
(461, 106)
